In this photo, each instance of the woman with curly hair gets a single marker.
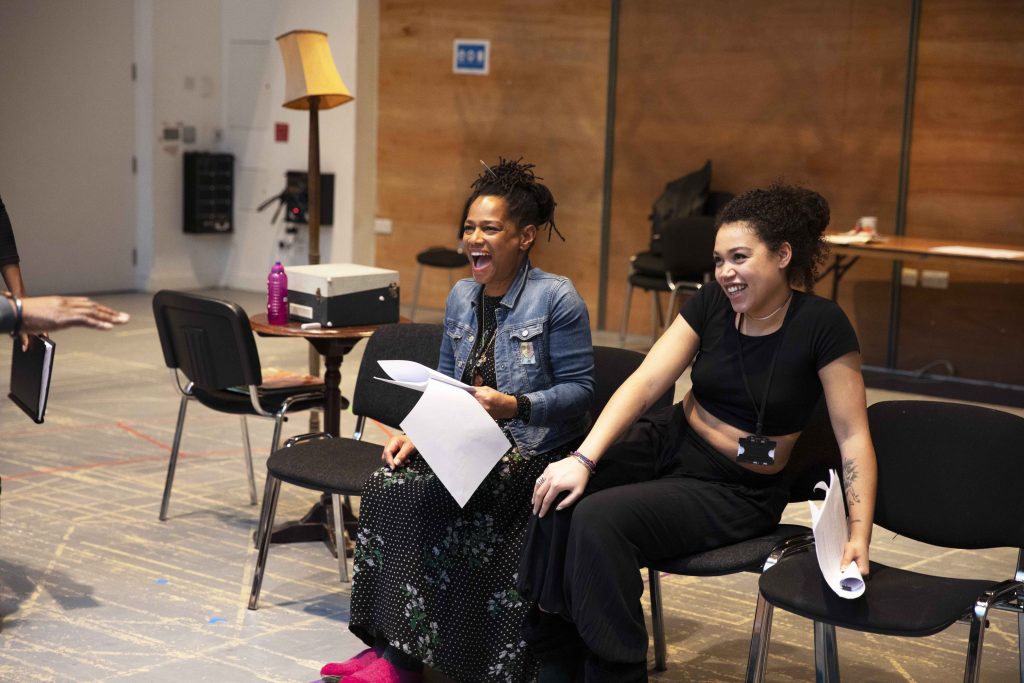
(435, 583)
(705, 472)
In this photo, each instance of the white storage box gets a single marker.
(343, 294)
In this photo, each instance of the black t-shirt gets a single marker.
(8, 248)
(815, 333)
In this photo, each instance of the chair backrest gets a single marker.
(388, 403)
(814, 454)
(611, 368)
(688, 246)
(208, 339)
(949, 473)
(716, 202)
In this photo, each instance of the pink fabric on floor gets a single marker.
(351, 666)
(383, 671)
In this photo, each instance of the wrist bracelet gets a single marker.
(584, 460)
(18, 316)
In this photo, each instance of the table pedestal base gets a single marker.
(316, 525)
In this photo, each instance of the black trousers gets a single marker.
(661, 491)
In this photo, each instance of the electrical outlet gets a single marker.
(908, 277)
(936, 279)
(382, 226)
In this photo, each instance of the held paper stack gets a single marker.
(830, 534)
(449, 428)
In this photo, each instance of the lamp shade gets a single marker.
(309, 71)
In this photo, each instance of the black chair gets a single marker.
(948, 477)
(612, 366)
(814, 453)
(436, 257)
(683, 262)
(340, 466)
(210, 342)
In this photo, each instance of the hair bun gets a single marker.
(814, 207)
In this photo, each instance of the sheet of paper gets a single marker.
(857, 238)
(830, 534)
(983, 252)
(456, 436)
(407, 373)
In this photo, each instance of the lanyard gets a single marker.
(760, 412)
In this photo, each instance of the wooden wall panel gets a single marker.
(967, 182)
(544, 100)
(807, 91)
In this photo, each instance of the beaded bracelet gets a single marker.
(584, 460)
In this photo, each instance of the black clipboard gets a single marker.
(30, 375)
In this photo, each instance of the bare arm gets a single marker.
(847, 408)
(665, 362)
(12, 277)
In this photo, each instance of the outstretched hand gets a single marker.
(49, 313)
(567, 474)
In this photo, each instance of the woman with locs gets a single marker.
(706, 472)
(435, 583)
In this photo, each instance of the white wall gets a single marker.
(66, 142)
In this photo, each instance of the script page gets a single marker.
(831, 533)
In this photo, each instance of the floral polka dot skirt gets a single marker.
(438, 581)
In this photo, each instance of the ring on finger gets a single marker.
(540, 480)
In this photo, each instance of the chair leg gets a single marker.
(655, 316)
(270, 508)
(248, 460)
(826, 658)
(173, 461)
(657, 618)
(275, 440)
(339, 536)
(760, 637)
(671, 311)
(416, 291)
(1020, 636)
(267, 490)
(625, 314)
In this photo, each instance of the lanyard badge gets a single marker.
(758, 449)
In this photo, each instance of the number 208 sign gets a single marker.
(471, 56)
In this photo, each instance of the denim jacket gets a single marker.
(542, 349)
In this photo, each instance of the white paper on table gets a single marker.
(854, 238)
(830, 535)
(451, 430)
(982, 252)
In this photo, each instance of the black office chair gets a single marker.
(683, 263)
(436, 257)
(948, 477)
(814, 453)
(210, 342)
(340, 466)
(612, 366)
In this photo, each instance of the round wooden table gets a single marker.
(330, 342)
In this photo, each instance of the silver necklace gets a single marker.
(754, 317)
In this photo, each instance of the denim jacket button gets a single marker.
(470, 339)
(460, 363)
(523, 333)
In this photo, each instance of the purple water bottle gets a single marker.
(277, 295)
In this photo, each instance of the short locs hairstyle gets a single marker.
(785, 213)
(529, 202)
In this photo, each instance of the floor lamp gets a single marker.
(311, 81)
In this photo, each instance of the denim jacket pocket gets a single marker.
(528, 354)
(461, 335)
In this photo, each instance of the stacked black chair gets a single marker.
(436, 257)
(948, 476)
(814, 453)
(680, 259)
(340, 466)
(209, 341)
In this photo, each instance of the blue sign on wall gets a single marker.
(471, 56)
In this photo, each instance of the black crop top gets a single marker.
(817, 333)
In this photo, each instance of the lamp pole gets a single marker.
(313, 180)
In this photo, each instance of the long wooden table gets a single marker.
(900, 248)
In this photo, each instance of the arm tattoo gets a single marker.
(849, 479)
